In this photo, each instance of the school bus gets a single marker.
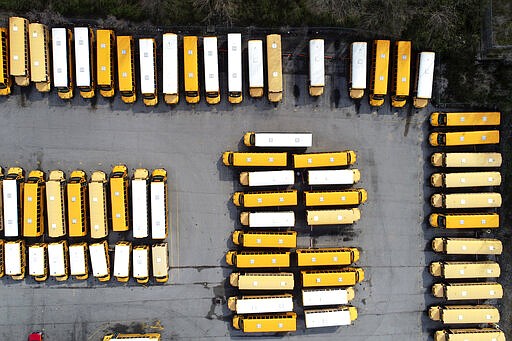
(140, 204)
(265, 199)
(126, 69)
(465, 220)
(276, 303)
(122, 261)
(467, 246)
(265, 239)
(255, 59)
(466, 200)
(15, 259)
(455, 119)
(400, 81)
(58, 256)
(255, 259)
(211, 70)
(105, 49)
(454, 314)
(119, 198)
(470, 334)
(329, 159)
(463, 138)
(266, 323)
(159, 206)
(1, 199)
(354, 196)
(33, 205)
(77, 204)
(5, 76)
(140, 265)
(148, 77)
(327, 256)
(357, 71)
(379, 72)
(13, 186)
(268, 219)
(242, 159)
(160, 262)
(98, 205)
(170, 68)
(262, 281)
(453, 270)
(190, 69)
(38, 261)
(332, 217)
(18, 50)
(316, 67)
(424, 79)
(62, 62)
(79, 266)
(2, 258)
(468, 291)
(330, 317)
(274, 68)
(235, 94)
(327, 296)
(468, 179)
(100, 260)
(84, 61)
(133, 337)
(466, 159)
(332, 277)
(39, 40)
(55, 204)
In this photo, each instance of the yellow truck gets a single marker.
(465, 220)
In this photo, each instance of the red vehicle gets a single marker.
(37, 336)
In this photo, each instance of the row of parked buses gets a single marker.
(88, 59)
(466, 280)
(269, 244)
(74, 206)
(61, 260)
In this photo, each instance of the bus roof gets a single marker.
(170, 63)
(320, 297)
(104, 60)
(282, 139)
(82, 56)
(381, 55)
(262, 281)
(160, 259)
(36, 260)
(271, 178)
(234, 62)
(122, 260)
(274, 63)
(358, 65)
(190, 62)
(333, 177)
(403, 68)
(60, 56)
(211, 64)
(4, 56)
(97, 209)
(255, 55)
(327, 317)
(140, 208)
(332, 217)
(147, 65)
(272, 219)
(158, 211)
(18, 43)
(98, 259)
(77, 260)
(56, 259)
(316, 62)
(265, 304)
(11, 197)
(125, 63)
(13, 257)
(39, 53)
(140, 262)
(425, 74)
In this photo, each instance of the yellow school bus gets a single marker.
(265, 199)
(400, 82)
(329, 159)
(262, 281)
(379, 72)
(332, 217)
(468, 291)
(242, 159)
(455, 119)
(126, 69)
(274, 68)
(190, 69)
(265, 239)
(462, 138)
(452, 314)
(456, 270)
(63, 70)
(58, 257)
(77, 204)
(333, 277)
(119, 198)
(250, 259)
(98, 205)
(105, 49)
(33, 205)
(327, 256)
(55, 204)
(15, 259)
(5, 77)
(38, 261)
(18, 50)
(354, 196)
(465, 220)
(470, 334)
(266, 323)
(39, 39)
